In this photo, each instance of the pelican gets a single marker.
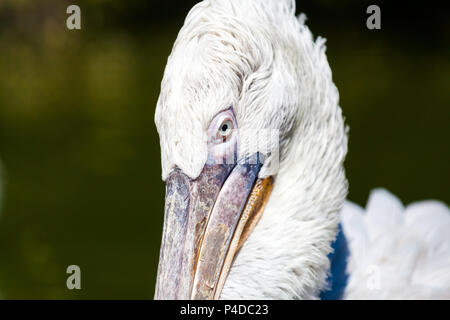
(249, 216)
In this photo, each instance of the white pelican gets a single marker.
(245, 228)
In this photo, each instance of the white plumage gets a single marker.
(258, 57)
(397, 252)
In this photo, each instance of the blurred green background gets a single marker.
(80, 151)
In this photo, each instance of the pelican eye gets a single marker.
(222, 129)
(225, 128)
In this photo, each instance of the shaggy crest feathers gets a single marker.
(397, 252)
(244, 54)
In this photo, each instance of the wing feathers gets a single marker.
(397, 253)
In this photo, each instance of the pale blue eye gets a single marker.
(225, 128)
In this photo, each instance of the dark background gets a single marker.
(80, 151)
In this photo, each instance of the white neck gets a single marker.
(285, 257)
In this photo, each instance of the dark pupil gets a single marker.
(224, 127)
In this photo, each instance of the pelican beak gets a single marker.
(206, 221)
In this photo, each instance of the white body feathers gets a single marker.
(397, 252)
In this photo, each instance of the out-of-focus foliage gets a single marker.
(81, 152)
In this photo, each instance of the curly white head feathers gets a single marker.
(244, 55)
(258, 58)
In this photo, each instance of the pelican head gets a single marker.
(252, 146)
